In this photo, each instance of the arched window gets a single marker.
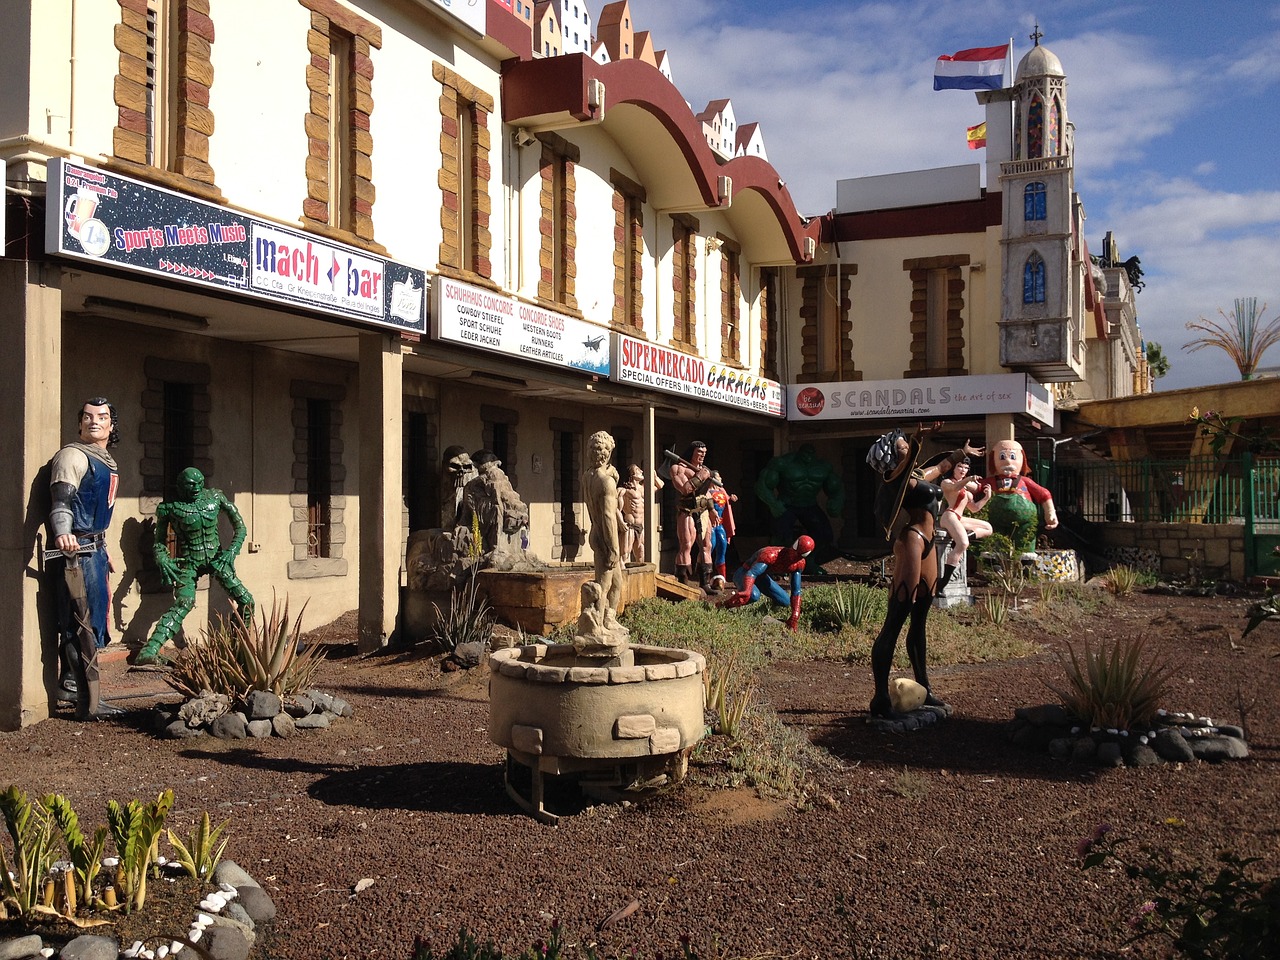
(1033, 280)
(1035, 129)
(1055, 128)
(1033, 201)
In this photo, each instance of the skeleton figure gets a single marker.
(458, 472)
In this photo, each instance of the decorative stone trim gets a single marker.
(812, 367)
(557, 256)
(684, 282)
(326, 14)
(457, 95)
(194, 34)
(629, 198)
(768, 323)
(919, 269)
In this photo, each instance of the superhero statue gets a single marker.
(756, 576)
(789, 486)
(722, 528)
(1016, 499)
(194, 518)
(82, 485)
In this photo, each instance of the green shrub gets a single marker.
(33, 833)
(1219, 913)
(1120, 581)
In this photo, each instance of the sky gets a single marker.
(1176, 107)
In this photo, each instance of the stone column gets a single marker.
(381, 499)
(32, 431)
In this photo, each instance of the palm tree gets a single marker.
(1157, 362)
(1241, 337)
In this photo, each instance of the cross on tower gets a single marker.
(1036, 35)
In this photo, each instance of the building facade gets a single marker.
(310, 246)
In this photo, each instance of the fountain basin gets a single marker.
(540, 601)
(630, 720)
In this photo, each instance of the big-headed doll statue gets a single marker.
(1016, 499)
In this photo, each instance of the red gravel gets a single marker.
(949, 841)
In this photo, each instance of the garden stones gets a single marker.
(262, 714)
(1174, 738)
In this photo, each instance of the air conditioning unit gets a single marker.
(724, 189)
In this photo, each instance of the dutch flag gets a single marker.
(981, 68)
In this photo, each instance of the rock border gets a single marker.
(1173, 738)
(259, 715)
(228, 921)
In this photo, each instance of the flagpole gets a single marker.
(1010, 57)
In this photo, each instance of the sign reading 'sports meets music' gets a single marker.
(120, 222)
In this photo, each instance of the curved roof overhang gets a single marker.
(646, 116)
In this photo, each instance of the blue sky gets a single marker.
(1176, 105)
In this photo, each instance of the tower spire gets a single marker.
(1036, 35)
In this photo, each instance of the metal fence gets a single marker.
(1238, 489)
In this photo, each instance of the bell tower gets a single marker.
(1041, 317)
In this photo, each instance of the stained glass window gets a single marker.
(1035, 129)
(1033, 280)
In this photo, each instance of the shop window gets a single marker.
(340, 145)
(318, 532)
(464, 171)
(1034, 201)
(684, 279)
(557, 282)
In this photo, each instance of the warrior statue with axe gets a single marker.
(82, 484)
(690, 476)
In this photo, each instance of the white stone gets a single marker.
(230, 891)
(203, 919)
(175, 947)
(195, 934)
(162, 951)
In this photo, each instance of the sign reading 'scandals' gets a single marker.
(477, 317)
(653, 365)
(928, 398)
(120, 222)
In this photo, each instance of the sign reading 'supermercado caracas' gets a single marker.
(924, 398)
(652, 365)
(477, 317)
(120, 222)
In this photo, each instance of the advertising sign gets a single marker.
(651, 365)
(119, 222)
(477, 317)
(928, 398)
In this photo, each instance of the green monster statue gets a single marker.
(194, 518)
(789, 486)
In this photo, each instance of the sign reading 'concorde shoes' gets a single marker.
(120, 222)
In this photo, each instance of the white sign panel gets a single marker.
(470, 12)
(477, 317)
(929, 398)
(652, 365)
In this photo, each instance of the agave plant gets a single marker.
(469, 618)
(1120, 581)
(200, 855)
(1115, 687)
(236, 657)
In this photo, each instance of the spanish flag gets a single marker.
(977, 136)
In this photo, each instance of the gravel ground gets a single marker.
(948, 841)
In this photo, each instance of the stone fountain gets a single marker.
(606, 714)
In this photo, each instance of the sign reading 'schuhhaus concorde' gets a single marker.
(120, 222)
(928, 398)
(478, 317)
(647, 364)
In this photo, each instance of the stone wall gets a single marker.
(1213, 551)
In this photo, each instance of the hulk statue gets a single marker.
(789, 486)
(194, 518)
